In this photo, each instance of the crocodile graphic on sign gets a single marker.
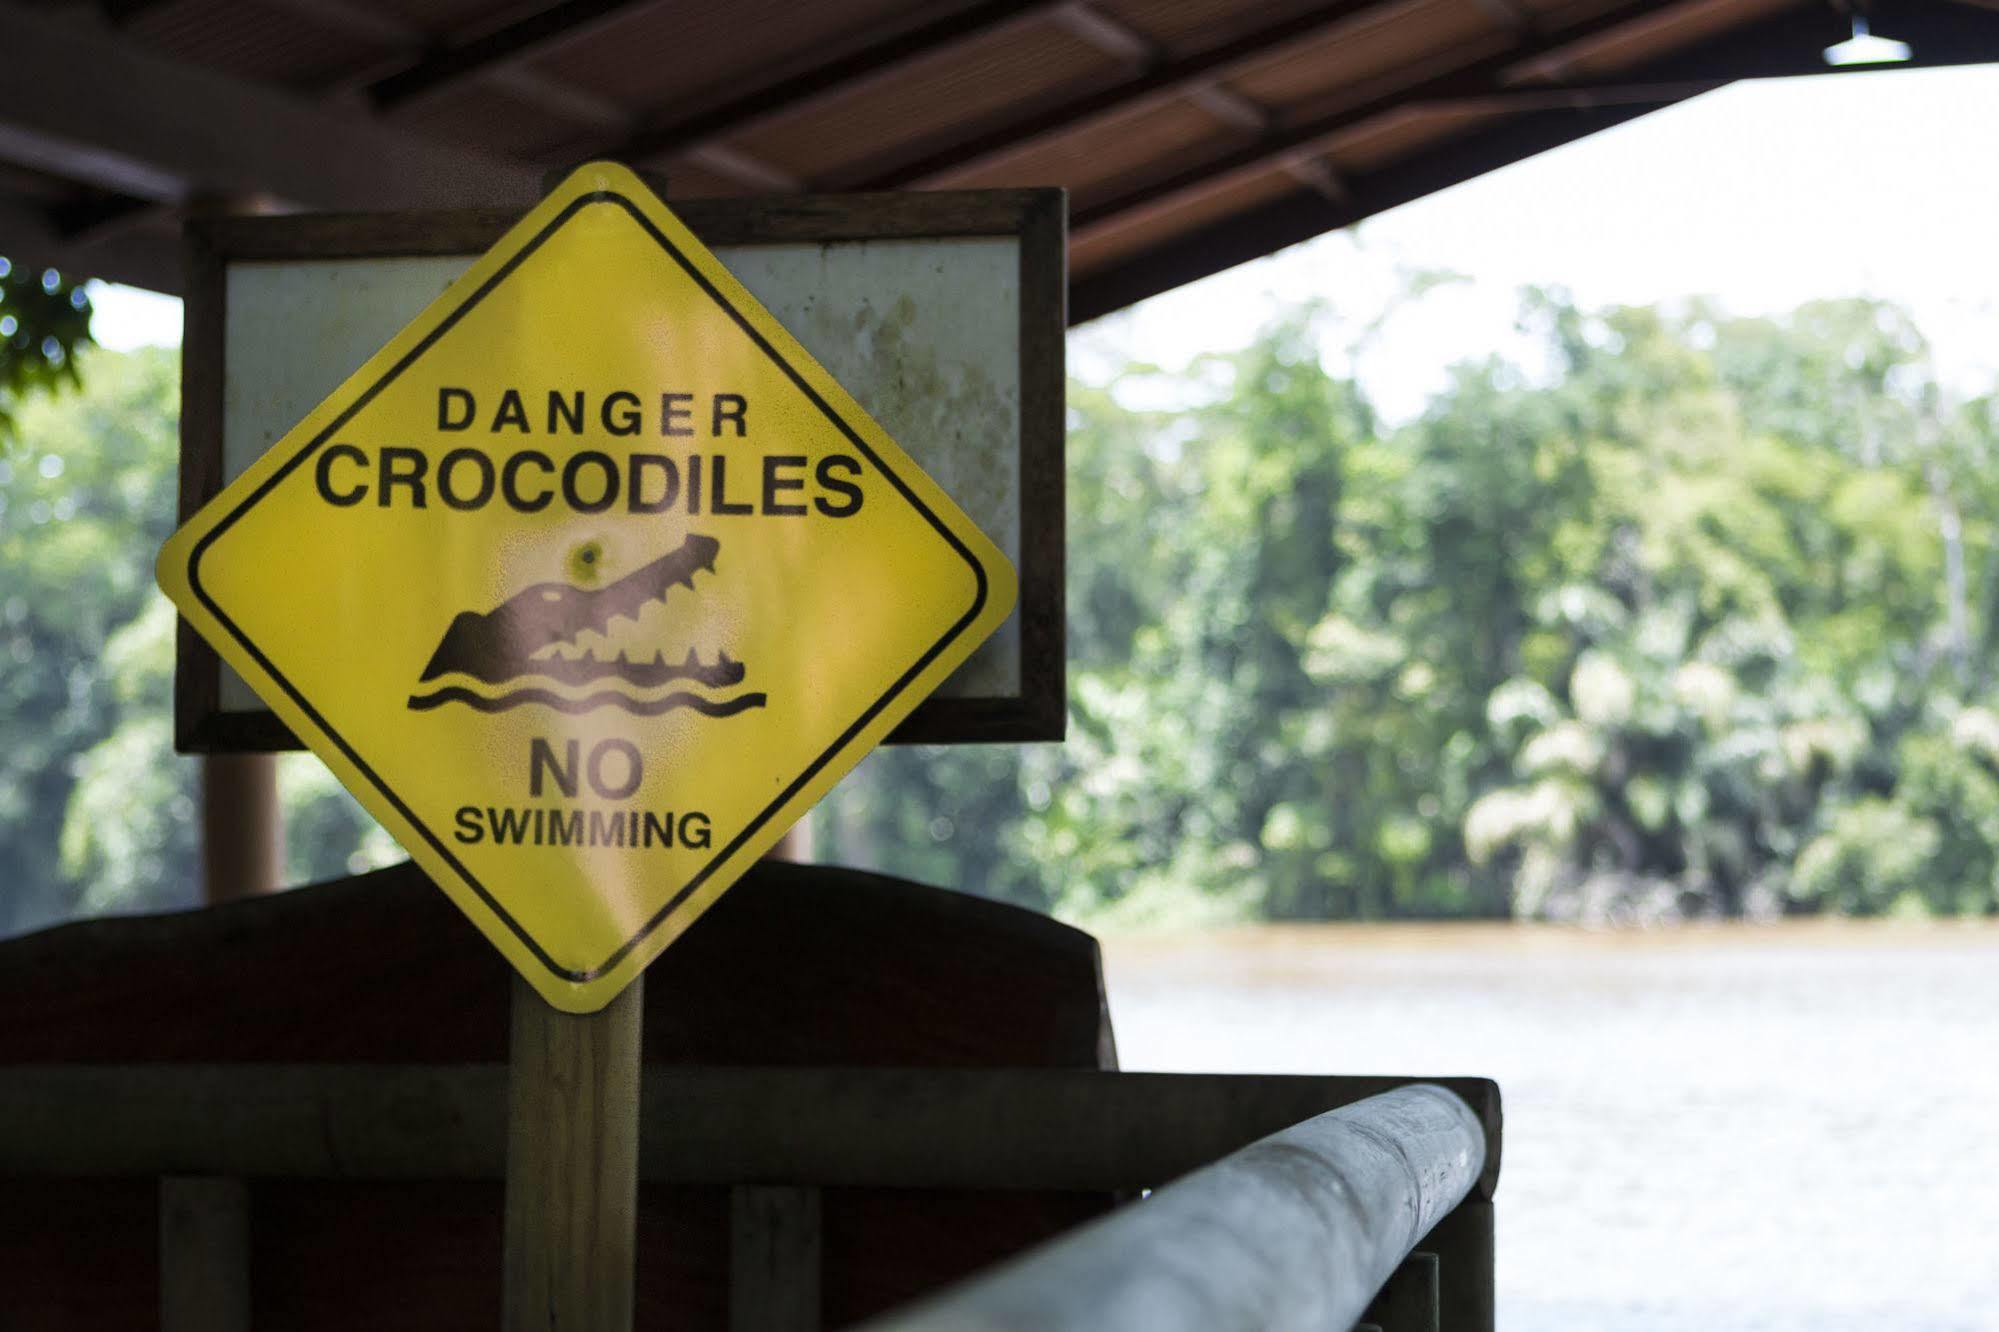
(517, 649)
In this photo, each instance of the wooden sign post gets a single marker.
(610, 579)
(572, 1164)
(572, 1185)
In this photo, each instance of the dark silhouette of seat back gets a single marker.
(796, 965)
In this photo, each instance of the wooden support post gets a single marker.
(242, 834)
(1409, 1302)
(774, 1259)
(795, 845)
(204, 1255)
(572, 1165)
(1463, 1243)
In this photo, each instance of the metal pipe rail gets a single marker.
(1299, 1230)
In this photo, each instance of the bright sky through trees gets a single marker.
(1764, 195)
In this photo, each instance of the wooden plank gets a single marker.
(959, 156)
(1463, 1243)
(1202, 173)
(262, 1121)
(1005, 1129)
(204, 1255)
(507, 47)
(1298, 1230)
(204, 315)
(572, 1165)
(1409, 1302)
(143, 257)
(1783, 45)
(772, 220)
(158, 137)
(774, 1258)
(1122, 282)
(1044, 428)
(854, 72)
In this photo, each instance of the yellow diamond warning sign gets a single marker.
(589, 584)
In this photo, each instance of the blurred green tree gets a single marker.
(1684, 627)
(1697, 619)
(44, 324)
(97, 813)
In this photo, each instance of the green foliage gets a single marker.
(97, 813)
(44, 324)
(1701, 625)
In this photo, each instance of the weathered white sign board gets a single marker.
(951, 340)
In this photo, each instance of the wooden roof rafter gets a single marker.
(150, 150)
(948, 159)
(507, 48)
(1784, 44)
(815, 80)
(419, 69)
(1204, 172)
(1229, 107)
(1189, 132)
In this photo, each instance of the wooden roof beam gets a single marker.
(120, 12)
(509, 46)
(1219, 100)
(157, 138)
(1114, 39)
(1510, 14)
(140, 257)
(952, 158)
(1204, 173)
(1943, 32)
(406, 47)
(412, 53)
(810, 82)
(356, 20)
(509, 72)
(1306, 213)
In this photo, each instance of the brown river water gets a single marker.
(1784, 1127)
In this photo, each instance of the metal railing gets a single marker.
(1300, 1230)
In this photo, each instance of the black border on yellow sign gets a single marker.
(840, 742)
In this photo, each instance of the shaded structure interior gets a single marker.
(1191, 134)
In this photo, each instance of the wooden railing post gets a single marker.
(1410, 1301)
(1463, 1243)
(774, 1258)
(242, 828)
(204, 1254)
